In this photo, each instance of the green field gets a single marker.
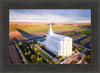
(42, 28)
(86, 31)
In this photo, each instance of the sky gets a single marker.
(50, 15)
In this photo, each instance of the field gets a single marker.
(43, 28)
(28, 29)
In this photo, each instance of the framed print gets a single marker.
(45, 36)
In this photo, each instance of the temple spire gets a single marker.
(50, 32)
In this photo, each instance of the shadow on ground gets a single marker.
(26, 36)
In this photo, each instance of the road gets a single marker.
(81, 38)
(13, 55)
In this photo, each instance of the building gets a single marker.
(61, 45)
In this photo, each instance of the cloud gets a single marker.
(50, 15)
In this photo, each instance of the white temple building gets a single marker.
(61, 45)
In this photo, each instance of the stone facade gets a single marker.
(61, 45)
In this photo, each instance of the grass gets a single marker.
(86, 31)
(42, 28)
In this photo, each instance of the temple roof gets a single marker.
(58, 37)
(53, 36)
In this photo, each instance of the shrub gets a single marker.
(32, 56)
(88, 59)
(57, 56)
(20, 43)
(29, 52)
(38, 42)
(25, 53)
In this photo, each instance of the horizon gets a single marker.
(52, 22)
(50, 15)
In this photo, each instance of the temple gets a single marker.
(61, 45)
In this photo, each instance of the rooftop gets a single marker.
(55, 36)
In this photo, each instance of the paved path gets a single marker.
(13, 55)
(21, 54)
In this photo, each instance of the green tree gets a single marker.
(75, 50)
(23, 60)
(59, 59)
(25, 53)
(38, 42)
(57, 56)
(38, 59)
(27, 47)
(32, 56)
(35, 49)
(20, 43)
(35, 46)
(29, 52)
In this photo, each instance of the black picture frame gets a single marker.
(50, 4)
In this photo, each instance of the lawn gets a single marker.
(86, 31)
(42, 28)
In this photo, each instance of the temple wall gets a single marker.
(62, 48)
(53, 45)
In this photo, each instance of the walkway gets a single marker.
(21, 54)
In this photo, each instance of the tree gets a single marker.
(32, 56)
(60, 59)
(20, 43)
(88, 59)
(27, 47)
(89, 46)
(35, 49)
(57, 56)
(35, 45)
(23, 60)
(75, 50)
(38, 59)
(25, 53)
(38, 42)
(29, 52)
(41, 59)
(38, 53)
